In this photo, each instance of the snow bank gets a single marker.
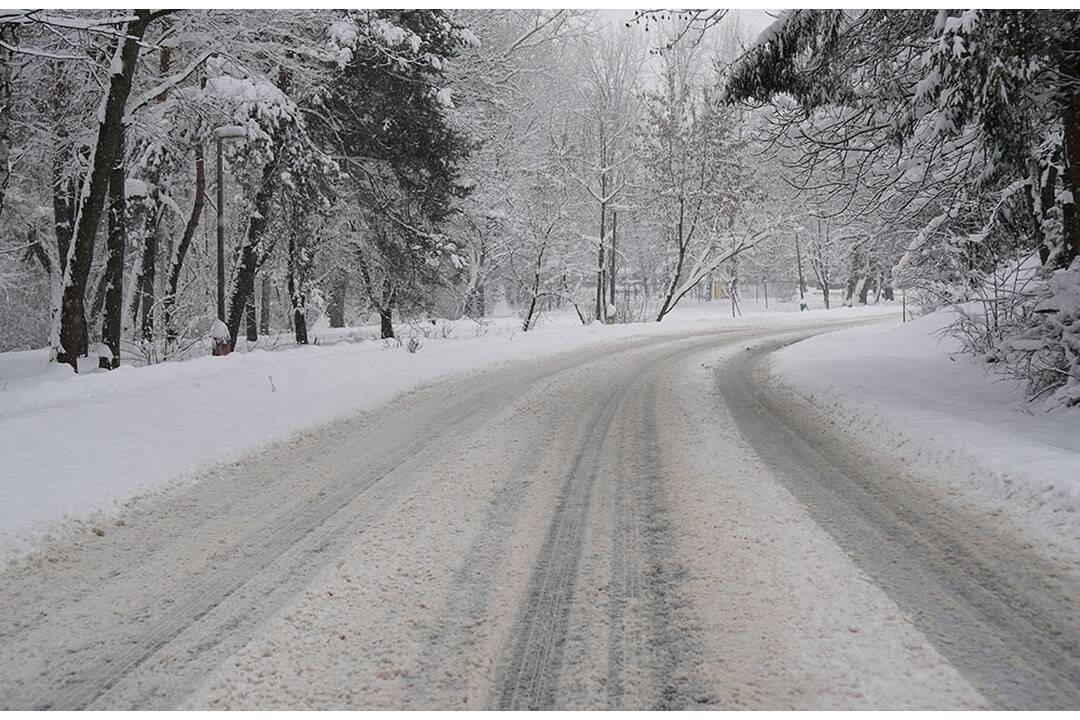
(71, 445)
(904, 388)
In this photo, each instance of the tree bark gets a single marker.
(63, 188)
(1070, 116)
(70, 337)
(114, 267)
(386, 324)
(611, 261)
(336, 307)
(527, 323)
(802, 277)
(146, 281)
(251, 322)
(7, 35)
(869, 283)
(264, 309)
(853, 276)
(169, 301)
(665, 308)
(252, 252)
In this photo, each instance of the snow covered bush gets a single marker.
(1045, 349)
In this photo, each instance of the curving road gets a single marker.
(648, 527)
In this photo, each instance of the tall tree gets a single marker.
(70, 332)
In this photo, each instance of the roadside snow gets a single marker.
(904, 388)
(72, 445)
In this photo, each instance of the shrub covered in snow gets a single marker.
(1045, 349)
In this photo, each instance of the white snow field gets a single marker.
(72, 445)
(906, 390)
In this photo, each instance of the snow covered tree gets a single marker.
(953, 124)
(386, 116)
(695, 156)
(596, 142)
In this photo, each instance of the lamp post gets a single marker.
(220, 234)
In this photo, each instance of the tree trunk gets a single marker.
(63, 188)
(251, 320)
(665, 308)
(114, 268)
(853, 277)
(252, 252)
(63, 209)
(169, 301)
(386, 325)
(298, 267)
(802, 277)
(146, 280)
(264, 309)
(146, 290)
(611, 262)
(1070, 116)
(335, 309)
(69, 336)
(869, 283)
(601, 299)
(535, 292)
(7, 36)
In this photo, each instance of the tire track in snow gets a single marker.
(531, 679)
(531, 674)
(988, 602)
(90, 684)
(651, 631)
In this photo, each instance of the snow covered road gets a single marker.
(640, 526)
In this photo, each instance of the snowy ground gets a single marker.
(589, 530)
(639, 521)
(72, 445)
(905, 390)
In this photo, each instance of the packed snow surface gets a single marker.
(586, 530)
(906, 389)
